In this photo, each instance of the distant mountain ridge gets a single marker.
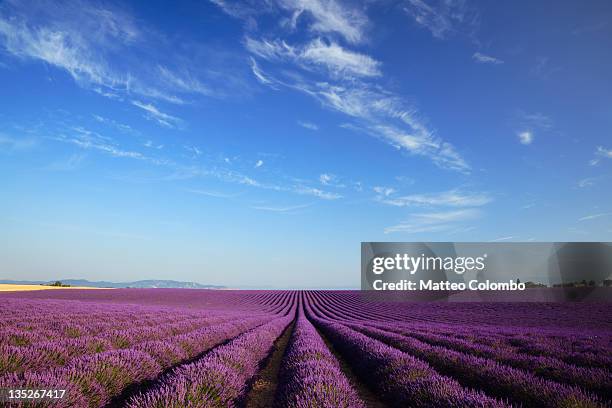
(149, 283)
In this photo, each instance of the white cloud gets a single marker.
(603, 152)
(282, 209)
(308, 125)
(184, 82)
(339, 61)
(373, 109)
(594, 216)
(326, 195)
(336, 60)
(486, 59)
(586, 182)
(214, 194)
(160, 117)
(261, 77)
(384, 116)
(269, 50)
(326, 179)
(384, 191)
(150, 144)
(451, 198)
(194, 150)
(90, 140)
(235, 177)
(259, 163)
(525, 137)
(500, 239)
(320, 16)
(239, 8)
(104, 49)
(117, 125)
(70, 37)
(332, 180)
(422, 142)
(435, 221)
(441, 17)
(330, 16)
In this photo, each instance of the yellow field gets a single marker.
(4, 287)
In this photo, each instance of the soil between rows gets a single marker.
(364, 392)
(262, 392)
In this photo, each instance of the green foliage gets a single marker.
(59, 284)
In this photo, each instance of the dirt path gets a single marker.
(364, 393)
(263, 389)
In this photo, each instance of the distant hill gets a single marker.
(151, 283)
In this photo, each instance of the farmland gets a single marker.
(144, 348)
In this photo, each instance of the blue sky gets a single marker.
(259, 142)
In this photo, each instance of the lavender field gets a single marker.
(145, 348)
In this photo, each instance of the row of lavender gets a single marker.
(209, 356)
(388, 352)
(577, 345)
(220, 377)
(108, 354)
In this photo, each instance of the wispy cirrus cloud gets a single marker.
(67, 35)
(329, 17)
(442, 17)
(184, 81)
(79, 38)
(383, 115)
(601, 153)
(343, 80)
(312, 191)
(594, 216)
(444, 221)
(90, 140)
(153, 113)
(384, 191)
(286, 209)
(586, 182)
(87, 139)
(451, 198)
(486, 59)
(122, 127)
(106, 50)
(308, 125)
(259, 74)
(229, 175)
(209, 193)
(501, 239)
(317, 54)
